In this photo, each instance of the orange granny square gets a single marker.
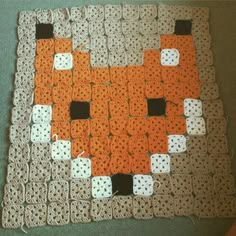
(80, 128)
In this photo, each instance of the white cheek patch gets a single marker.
(42, 114)
(40, 133)
(169, 57)
(101, 187)
(176, 143)
(143, 185)
(160, 163)
(63, 61)
(80, 168)
(61, 150)
(192, 107)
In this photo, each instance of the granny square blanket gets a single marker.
(116, 114)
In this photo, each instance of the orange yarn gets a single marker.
(80, 146)
(118, 91)
(136, 90)
(153, 73)
(191, 90)
(156, 125)
(138, 144)
(43, 79)
(175, 108)
(135, 73)
(168, 41)
(100, 75)
(185, 41)
(175, 125)
(99, 127)
(61, 112)
(138, 107)
(137, 126)
(81, 92)
(81, 76)
(154, 89)
(101, 166)
(140, 164)
(100, 92)
(61, 129)
(43, 62)
(80, 128)
(152, 58)
(120, 163)
(61, 94)
(173, 91)
(158, 143)
(63, 45)
(118, 125)
(98, 109)
(170, 74)
(188, 74)
(119, 108)
(187, 57)
(118, 74)
(45, 46)
(62, 78)
(119, 144)
(81, 60)
(43, 96)
(99, 146)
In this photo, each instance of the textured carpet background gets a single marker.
(223, 31)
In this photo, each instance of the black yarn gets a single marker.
(44, 31)
(79, 110)
(183, 27)
(156, 106)
(122, 183)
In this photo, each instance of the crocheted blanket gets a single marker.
(116, 114)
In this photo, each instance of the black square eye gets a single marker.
(156, 107)
(44, 31)
(183, 27)
(79, 110)
(122, 184)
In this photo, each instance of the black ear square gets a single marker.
(122, 184)
(79, 110)
(44, 31)
(156, 107)
(183, 27)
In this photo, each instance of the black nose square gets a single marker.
(183, 27)
(156, 107)
(44, 31)
(122, 184)
(79, 110)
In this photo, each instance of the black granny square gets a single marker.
(122, 184)
(44, 31)
(183, 27)
(156, 107)
(79, 110)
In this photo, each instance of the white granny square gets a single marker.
(196, 126)
(160, 163)
(80, 168)
(192, 107)
(40, 133)
(42, 114)
(61, 150)
(142, 185)
(63, 61)
(176, 143)
(101, 187)
(169, 57)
